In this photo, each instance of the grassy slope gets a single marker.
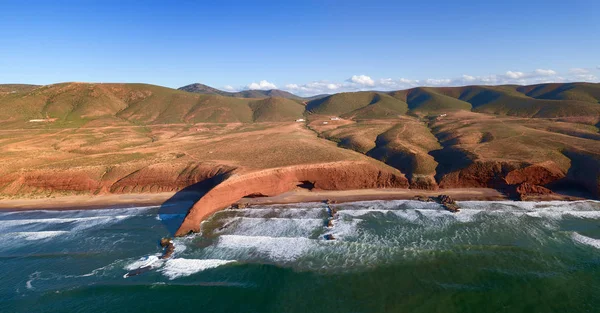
(507, 100)
(571, 91)
(74, 104)
(276, 110)
(429, 100)
(358, 105)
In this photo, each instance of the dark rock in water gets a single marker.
(138, 271)
(331, 212)
(329, 223)
(167, 243)
(329, 237)
(445, 199)
(422, 198)
(239, 205)
(448, 203)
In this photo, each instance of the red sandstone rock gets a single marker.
(526, 190)
(328, 176)
(536, 174)
(495, 174)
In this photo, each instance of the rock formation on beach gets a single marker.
(328, 176)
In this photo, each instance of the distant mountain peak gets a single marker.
(253, 93)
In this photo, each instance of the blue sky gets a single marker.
(306, 47)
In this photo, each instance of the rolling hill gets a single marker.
(358, 105)
(75, 104)
(567, 100)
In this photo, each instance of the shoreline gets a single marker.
(110, 201)
(86, 202)
(341, 196)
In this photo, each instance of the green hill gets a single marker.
(276, 110)
(358, 105)
(74, 104)
(431, 100)
(571, 91)
(507, 100)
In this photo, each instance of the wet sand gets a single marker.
(303, 195)
(300, 195)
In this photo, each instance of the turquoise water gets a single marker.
(388, 256)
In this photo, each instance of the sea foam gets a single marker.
(180, 267)
(37, 235)
(593, 242)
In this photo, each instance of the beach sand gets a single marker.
(87, 201)
(296, 196)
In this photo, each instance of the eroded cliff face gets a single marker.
(327, 176)
(150, 179)
(516, 178)
(499, 174)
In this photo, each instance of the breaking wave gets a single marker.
(180, 267)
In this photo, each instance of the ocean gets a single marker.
(386, 256)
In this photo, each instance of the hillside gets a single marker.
(207, 90)
(572, 100)
(14, 88)
(358, 105)
(430, 100)
(75, 104)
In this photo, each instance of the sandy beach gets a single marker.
(302, 195)
(87, 201)
(80, 202)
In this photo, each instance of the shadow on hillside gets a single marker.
(173, 211)
(582, 178)
(450, 159)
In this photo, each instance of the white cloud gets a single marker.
(229, 88)
(514, 75)
(362, 80)
(579, 71)
(263, 85)
(542, 72)
(468, 78)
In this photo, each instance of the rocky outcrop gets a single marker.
(168, 246)
(159, 178)
(117, 180)
(536, 174)
(502, 175)
(327, 176)
(448, 203)
(46, 181)
(527, 191)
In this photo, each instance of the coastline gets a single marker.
(341, 196)
(108, 201)
(86, 202)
